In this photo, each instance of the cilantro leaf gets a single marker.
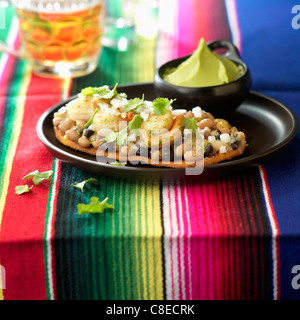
(91, 119)
(38, 177)
(161, 105)
(81, 184)
(190, 123)
(133, 104)
(111, 136)
(95, 206)
(136, 122)
(104, 92)
(120, 137)
(22, 189)
(117, 163)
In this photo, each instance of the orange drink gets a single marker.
(60, 38)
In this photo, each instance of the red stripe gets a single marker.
(197, 19)
(23, 223)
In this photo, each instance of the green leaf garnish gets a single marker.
(104, 92)
(81, 184)
(22, 189)
(95, 206)
(111, 136)
(38, 177)
(136, 122)
(190, 123)
(133, 104)
(120, 137)
(91, 119)
(161, 105)
(117, 163)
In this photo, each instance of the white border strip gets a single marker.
(49, 229)
(232, 15)
(274, 230)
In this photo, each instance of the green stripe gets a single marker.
(105, 252)
(9, 15)
(11, 110)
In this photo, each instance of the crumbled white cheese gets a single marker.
(145, 110)
(113, 111)
(91, 127)
(211, 139)
(118, 102)
(144, 115)
(132, 137)
(225, 137)
(103, 106)
(177, 112)
(123, 115)
(222, 149)
(197, 112)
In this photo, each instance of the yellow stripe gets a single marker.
(143, 242)
(13, 146)
(137, 239)
(154, 249)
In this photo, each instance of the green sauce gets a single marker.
(204, 68)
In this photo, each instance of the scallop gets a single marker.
(106, 120)
(158, 122)
(81, 108)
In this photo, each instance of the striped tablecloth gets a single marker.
(234, 237)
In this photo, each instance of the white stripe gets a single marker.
(11, 38)
(189, 242)
(273, 229)
(49, 230)
(166, 241)
(170, 243)
(174, 242)
(234, 23)
(181, 244)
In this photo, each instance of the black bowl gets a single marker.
(219, 100)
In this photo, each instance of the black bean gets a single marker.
(208, 150)
(88, 132)
(235, 144)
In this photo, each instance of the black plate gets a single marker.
(268, 124)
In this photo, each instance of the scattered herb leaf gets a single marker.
(95, 206)
(117, 163)
(161, 105)
(136, 122)
(190, 123)
(120, 137)
(104, 92)
(91, 119)
(81, 184)
(38, 177)
(133, 104)
(22, 189)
